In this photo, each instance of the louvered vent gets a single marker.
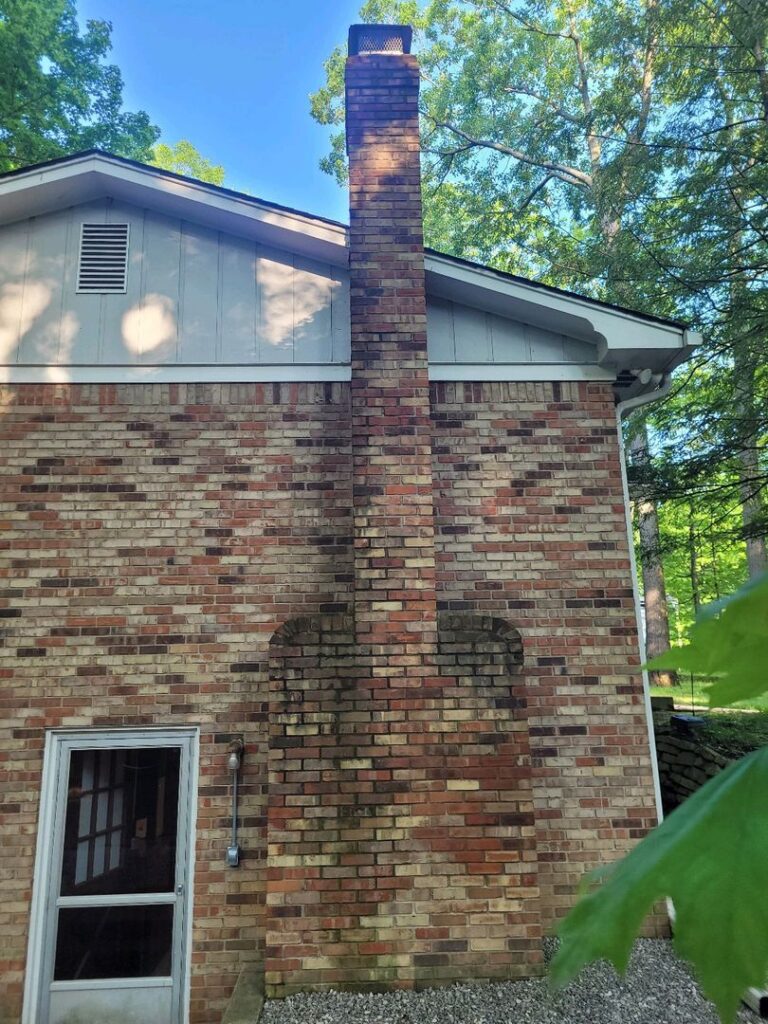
(103, 265)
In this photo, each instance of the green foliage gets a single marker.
(183, 158)
(708, 856)
(619, 149)
(729, 641)
(696, 694)
(57, 94)
(735, 735)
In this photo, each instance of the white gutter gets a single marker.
(622, 409)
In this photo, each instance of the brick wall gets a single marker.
(530, 523)
(157, 539)
(153, 539)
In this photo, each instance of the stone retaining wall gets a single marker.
(686, 762)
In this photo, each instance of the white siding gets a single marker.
(462, 334)
(194, 297)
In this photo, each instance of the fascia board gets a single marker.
(84, 179)
(622, 338)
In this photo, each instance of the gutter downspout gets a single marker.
(622, 409)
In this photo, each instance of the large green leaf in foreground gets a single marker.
(730, 641)
(711, 857)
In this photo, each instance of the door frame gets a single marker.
(49, 846)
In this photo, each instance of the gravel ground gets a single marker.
(658, 989)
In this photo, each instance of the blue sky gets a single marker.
(233, 76)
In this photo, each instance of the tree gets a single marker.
(654, 586)
(57, 94)
(183, 158)
(618, 150)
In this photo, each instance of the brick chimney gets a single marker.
(392, 748)
(392, 475)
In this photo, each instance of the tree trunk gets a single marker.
(693, 560)
(752, 512)
(656, 612)
(747, 356)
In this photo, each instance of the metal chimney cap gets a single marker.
(390, 39)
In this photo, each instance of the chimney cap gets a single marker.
(394, 39)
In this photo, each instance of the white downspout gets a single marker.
(622, 409)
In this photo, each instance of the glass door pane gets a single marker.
(121, 821)
(114, 942)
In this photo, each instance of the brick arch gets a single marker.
(312, 671)
(470, 630)
(306, 629)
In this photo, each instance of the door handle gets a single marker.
(180, 889)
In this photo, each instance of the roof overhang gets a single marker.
(627, 343)
(640, 348)
(89, 176)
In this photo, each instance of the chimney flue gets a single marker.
(379, 39)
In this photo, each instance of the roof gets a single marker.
(625, 338)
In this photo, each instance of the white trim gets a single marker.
(58, 742)
(179, 373)
(83, 178)
(32, 977)
(189, 896)
(601, 319)
(175, 373)
(519, 371)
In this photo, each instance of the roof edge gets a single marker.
(255, 201)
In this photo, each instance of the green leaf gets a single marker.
(729, 641)
(709, 857)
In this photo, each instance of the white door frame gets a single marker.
(58, 743)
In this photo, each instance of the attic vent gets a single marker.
(379, 39)
(625, 379)
(103, 259)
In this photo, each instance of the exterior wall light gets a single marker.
(236, 749)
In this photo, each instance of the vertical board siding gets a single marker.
(463, 334)
(116, 346)
(274, 286)
(193, 296)
(312, 313)
(198, 309)
(441, 336)
(153, 326)
(237, 312)
(200, 297)
(43, 290)
(14, 255)
(340, 330)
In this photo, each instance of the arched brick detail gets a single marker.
(488, 761)
(471, 632)
(311, 790)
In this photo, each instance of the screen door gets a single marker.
(113, 946)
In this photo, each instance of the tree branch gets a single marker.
(520, 91)
(570, 175)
